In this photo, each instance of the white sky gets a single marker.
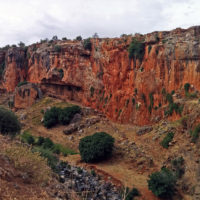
(32, 20)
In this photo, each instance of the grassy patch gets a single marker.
(167, 139)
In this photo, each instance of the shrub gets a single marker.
(60, 115)
(131, 194)
(195, 133)
(10, 104)
(52, 160)
(61, 73)
(51, 117)
(2, 67)
(178, 166)
(143, 97)
(133, 101)
(91, 91)
(187, 87)
(40, 141)
(30, 163)
(57, 48)
(149, 48)
(163, 92)
(79, 38)
(96, 147)
(167, 139)
(162, 183)
(151, 102)
(174, 107)
(27, 138)
(21, 44)
(191, 95)
(169, 98)
(93, 173)
(22, 83)
(87, 44)
(48, 144)
(9, 123)
(136, 49)
(66, 114)
(64, 38)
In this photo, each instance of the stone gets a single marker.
(23, 116)
(26, 95)
(143, 130)
(70, 129)
(77, 118)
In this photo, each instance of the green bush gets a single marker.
(96, 147)
(136, 49)
(60, 115)
(162, 183)
(169, 98)
(22, 83)
(2, 67)
(164, 92)
(61, 73)
(195, 133)
(51, 117)
(57, 48)
(52, 160)
(66, 114)
(151, 102)
(187, 87)
(174, 107)
(149, 48)
(87, 44)
(178, 166)
(48, 144)
(143, 97)
(167, 139)
(27, 138)
(191, 95)
(91, 91)
(40, 141)
(133, 101)
(9, 123)
(79, 38)
(131, 194)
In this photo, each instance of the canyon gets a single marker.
(105, 78)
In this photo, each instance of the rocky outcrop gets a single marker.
(26, 95)
(105, 78)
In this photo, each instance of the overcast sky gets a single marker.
(32, 20)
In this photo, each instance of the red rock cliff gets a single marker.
(105, 78)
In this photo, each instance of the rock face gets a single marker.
(26, 95)
(105, 78)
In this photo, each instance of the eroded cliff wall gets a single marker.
(106, 78)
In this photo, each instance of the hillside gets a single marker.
(139, 89)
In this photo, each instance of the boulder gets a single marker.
(143, 130)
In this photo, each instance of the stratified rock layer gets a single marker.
(105, 78)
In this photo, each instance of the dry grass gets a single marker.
(30, 163)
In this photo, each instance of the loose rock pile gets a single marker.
(88, 185)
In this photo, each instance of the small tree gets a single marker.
(79, 38)
(51, 117)
(55, 37)
(162, 183)
(96, 147)
(187, 87)
(9, 123)
(87, 44)
(136, 49)
(21, 44)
